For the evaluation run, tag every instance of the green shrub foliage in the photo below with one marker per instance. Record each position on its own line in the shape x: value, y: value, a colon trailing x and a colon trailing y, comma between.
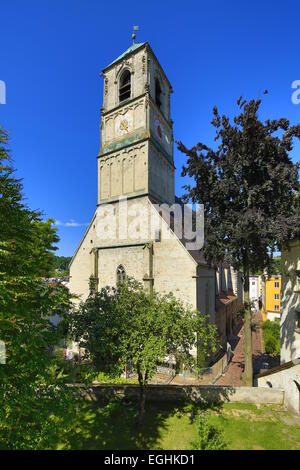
x: 271, y: 335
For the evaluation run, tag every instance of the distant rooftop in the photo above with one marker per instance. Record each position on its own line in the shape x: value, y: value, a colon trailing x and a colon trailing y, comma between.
x: 130, y: 49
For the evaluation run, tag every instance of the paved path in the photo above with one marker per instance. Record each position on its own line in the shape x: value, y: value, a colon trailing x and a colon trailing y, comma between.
x: 233, y: 373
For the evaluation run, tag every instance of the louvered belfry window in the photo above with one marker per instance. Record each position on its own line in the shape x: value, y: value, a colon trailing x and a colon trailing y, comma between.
x: 125, y: 86
x: 157, y: 93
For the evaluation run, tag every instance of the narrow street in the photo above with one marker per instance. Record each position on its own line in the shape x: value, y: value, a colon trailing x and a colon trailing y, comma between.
x: 233, y: 373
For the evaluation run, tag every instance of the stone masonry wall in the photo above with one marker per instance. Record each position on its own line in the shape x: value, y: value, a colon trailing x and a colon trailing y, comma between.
x: 195, y: 393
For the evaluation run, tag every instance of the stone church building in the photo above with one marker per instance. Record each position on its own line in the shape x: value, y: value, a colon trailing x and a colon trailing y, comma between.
x: 135, y: 164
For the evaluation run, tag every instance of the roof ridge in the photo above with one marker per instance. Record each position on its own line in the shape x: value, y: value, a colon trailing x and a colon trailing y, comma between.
x: 130, y: 49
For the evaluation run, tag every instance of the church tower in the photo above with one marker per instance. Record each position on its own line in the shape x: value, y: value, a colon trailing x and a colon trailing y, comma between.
x: 136, y: 154
x: 136, y: 168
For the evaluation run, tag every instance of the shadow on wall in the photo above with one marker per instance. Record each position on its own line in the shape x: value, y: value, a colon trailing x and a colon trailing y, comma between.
x: 290, y: 348
x: 259, y: 361
x: 200, y: 394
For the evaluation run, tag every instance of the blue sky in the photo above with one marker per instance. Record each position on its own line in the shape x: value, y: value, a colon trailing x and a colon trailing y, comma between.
x: 52, y: 52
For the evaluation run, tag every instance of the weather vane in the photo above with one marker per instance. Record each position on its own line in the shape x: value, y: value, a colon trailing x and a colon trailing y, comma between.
x: 135, y: 28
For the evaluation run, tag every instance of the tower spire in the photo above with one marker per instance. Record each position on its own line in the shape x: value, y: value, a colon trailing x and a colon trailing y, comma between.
x: 135, y: 28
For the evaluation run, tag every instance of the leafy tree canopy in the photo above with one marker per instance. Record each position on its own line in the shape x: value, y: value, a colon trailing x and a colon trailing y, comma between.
x: 61, y: 265
x: 249, y: 187
x: 126, y: 325
x: 30, y: 385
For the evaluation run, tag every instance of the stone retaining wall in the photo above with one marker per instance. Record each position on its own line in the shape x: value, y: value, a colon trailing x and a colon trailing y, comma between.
x: 286, y: 377
x: 195, y: 393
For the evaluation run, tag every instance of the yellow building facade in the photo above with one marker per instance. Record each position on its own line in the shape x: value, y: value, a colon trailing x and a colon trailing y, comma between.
x: 271, y: 287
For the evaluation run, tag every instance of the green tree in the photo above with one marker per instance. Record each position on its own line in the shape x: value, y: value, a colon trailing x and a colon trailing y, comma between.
x: 126, y: 325
x: 276, y: 267
x: 271, y: 335
x: 30, y: 386
x: 61, y: 265
x: 249, y: 187
x: 209, y: 437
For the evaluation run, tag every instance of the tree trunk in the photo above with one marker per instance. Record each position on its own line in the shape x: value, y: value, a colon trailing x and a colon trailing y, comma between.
x: 248, y: 371
x: 142, y: 400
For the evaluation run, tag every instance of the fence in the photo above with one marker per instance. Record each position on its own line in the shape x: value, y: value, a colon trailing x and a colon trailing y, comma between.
x: 166, y: 372
x: 209, y: 375
x: 167, y: 369
x: 219, y: 367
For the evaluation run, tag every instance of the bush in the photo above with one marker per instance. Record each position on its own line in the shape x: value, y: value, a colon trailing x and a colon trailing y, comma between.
x: 109, y: 379
x: 271, y: 335
x: 209, y: 437
x: 86, y: 373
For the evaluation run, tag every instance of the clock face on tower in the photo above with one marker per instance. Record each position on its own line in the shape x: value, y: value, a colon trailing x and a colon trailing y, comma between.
x: 123, y: 123
x: 159, y: 129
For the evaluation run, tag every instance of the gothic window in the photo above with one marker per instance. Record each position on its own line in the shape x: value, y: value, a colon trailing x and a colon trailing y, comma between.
x: 157, y: 235
x: 121, y: 274
x: 157, y: 93
x: 125, y: 86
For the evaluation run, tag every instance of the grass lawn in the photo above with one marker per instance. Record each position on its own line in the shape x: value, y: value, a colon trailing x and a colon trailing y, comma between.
x: 171, y: 427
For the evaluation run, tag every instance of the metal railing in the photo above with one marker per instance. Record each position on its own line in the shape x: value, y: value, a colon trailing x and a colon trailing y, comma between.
x: 207, y: 375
